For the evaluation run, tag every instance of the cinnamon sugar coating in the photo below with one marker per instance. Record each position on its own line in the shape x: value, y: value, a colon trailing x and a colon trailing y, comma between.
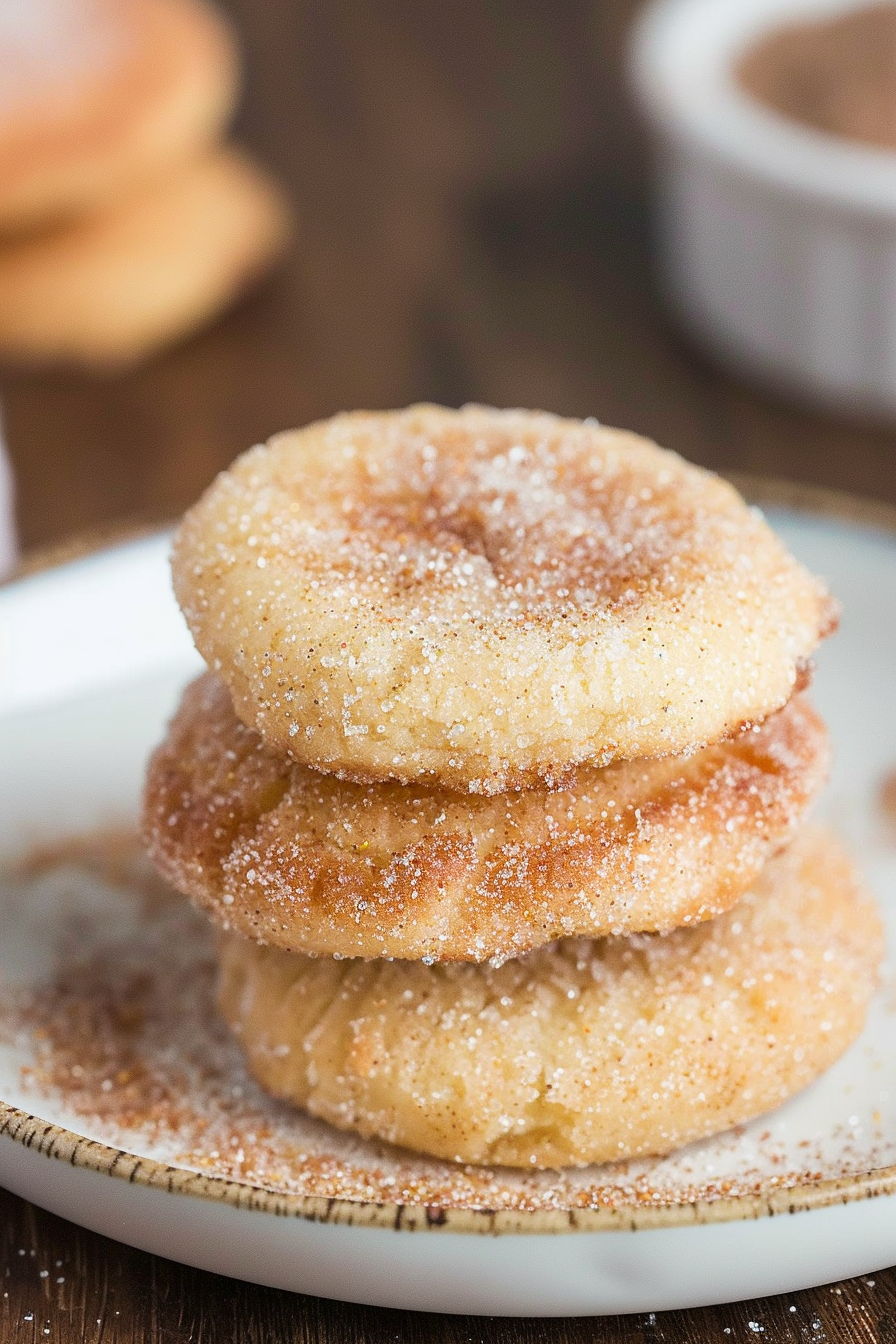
x: 583, y: 1051
x: 310, y: 863
x: 486, y: 598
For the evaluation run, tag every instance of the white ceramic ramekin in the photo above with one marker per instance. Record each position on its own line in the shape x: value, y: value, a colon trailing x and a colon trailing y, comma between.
x: 778, y: 241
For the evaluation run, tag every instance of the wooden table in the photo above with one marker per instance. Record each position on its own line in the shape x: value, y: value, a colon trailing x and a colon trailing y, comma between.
x: 471, y: 186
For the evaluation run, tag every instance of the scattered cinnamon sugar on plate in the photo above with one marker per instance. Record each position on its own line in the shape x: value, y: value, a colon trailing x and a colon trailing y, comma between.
x: 115, y: 1035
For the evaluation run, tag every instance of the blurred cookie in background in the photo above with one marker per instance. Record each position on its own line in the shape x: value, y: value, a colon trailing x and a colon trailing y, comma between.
x: 112, y: 287
x: 98, y: 97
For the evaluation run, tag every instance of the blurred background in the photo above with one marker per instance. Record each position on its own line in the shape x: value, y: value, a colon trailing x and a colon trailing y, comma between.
x: 471, y: 186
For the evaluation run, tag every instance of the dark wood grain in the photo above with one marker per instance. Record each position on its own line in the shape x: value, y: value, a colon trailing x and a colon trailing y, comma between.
x: 63, y: 1283
x: 472, y: 191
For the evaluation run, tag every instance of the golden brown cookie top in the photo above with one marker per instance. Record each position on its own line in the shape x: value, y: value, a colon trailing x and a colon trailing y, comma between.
x: 112, y: 287
x: 312, y: 863
x: 100, y: 97
x: 488, y: 597
x: 584, y: 1051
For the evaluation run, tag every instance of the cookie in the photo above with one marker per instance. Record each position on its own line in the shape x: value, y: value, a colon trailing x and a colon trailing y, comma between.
x: 310, y: 863
x: 102, y: 96
x: 485, y: 599
x: 112, y: 288
x: 581, y: 1052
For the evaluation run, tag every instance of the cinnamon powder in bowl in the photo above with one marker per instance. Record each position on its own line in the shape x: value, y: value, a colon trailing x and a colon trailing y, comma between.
x: 835, y: 74
x: 775, y: 132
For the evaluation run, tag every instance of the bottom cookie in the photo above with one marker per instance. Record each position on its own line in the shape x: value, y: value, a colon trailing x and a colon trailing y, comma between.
x: 115, y: 286
x: 584, y: 1051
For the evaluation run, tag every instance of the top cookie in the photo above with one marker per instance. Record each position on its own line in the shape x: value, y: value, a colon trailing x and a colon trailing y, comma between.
x: 98, y: 97
x: 487, y: 598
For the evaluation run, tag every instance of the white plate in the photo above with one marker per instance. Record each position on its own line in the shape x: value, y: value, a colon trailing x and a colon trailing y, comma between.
x: 125, y: 1107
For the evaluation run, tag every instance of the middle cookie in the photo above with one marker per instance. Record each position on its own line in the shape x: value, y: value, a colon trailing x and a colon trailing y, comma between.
x: 310, y: 863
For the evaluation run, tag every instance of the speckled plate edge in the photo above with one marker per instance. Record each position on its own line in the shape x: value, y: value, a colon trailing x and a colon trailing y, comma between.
x: 53, y: 1141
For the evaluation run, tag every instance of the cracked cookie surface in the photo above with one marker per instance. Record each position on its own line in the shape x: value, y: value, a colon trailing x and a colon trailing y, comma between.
x: 583, y: 1051
x: 484, y: 599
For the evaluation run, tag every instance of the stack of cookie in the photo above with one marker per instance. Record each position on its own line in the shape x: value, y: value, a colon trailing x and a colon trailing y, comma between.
x: 495, y: 786
x: 123, y: 222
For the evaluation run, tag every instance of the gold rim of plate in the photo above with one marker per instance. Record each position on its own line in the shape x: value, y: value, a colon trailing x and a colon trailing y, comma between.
x: 53, y: 1141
